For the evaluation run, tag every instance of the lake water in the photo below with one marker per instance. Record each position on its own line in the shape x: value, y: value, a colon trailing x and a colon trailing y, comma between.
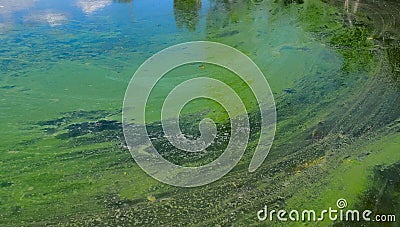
x: 64, y: 63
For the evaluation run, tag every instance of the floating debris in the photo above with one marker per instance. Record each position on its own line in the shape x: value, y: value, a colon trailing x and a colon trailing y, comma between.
x: 151, y: 198
x: 290, y: 90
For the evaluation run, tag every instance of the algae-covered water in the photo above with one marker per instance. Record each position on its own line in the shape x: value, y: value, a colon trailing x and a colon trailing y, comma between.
x: 65, y: 65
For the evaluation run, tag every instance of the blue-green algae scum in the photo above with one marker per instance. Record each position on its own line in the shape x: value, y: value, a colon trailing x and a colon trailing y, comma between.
x: 333, y: 67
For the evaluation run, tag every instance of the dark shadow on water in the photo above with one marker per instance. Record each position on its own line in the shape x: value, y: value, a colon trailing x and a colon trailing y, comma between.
x: 382, y: 197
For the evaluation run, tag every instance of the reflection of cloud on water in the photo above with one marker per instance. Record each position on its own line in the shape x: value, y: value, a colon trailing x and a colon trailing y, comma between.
x: 7, y: 8
x: 90, y: 6
x: 50, y: 18
x: 10, y: 6
x: 4, y: 27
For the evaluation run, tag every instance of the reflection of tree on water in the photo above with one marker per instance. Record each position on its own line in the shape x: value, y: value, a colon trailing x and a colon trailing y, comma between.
x: 232, y: 13
x: 126, y: 1
x: 384, y: 14
x: 187, y: 13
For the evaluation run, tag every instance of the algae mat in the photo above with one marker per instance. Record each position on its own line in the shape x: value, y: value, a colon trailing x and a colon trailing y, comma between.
x: 333, y: 70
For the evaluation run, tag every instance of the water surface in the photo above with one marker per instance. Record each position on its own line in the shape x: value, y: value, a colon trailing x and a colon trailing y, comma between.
x: 64, y: 69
